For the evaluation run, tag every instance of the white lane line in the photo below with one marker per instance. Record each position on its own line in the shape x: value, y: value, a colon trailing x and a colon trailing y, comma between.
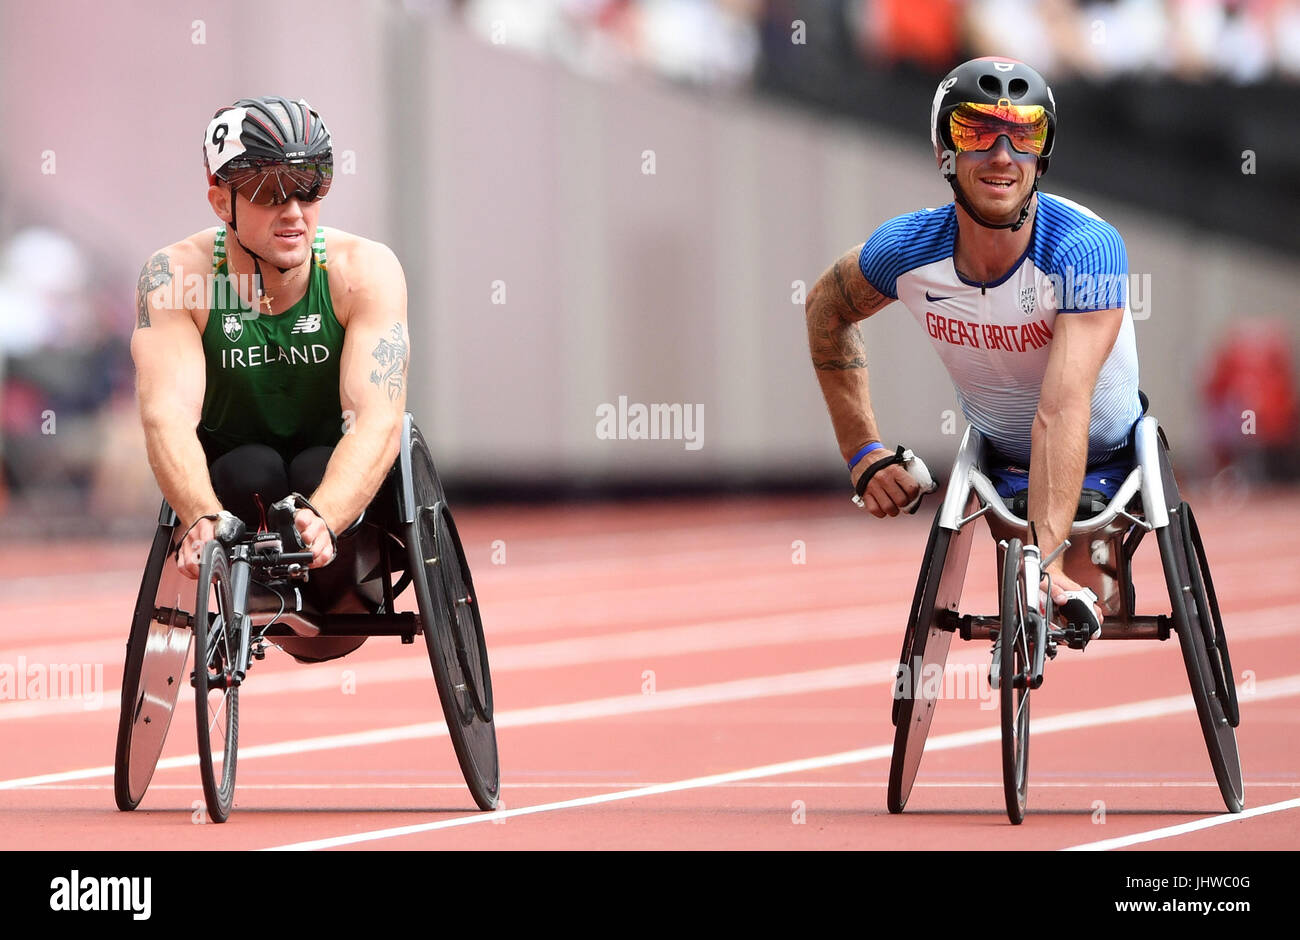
x: 840, y: 623
x: 1134, y: 711
x: 795, y: 683
x: 1169, y: 831
x: 861, y: 674
x: 768, y: 770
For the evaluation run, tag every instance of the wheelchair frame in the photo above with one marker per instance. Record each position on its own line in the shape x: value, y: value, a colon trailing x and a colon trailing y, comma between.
x: 1194, y: 616
x: 421, y: 526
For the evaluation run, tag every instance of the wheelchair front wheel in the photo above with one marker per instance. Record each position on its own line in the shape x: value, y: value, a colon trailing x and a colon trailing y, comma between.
x: 1014, y: 664
x: 219, y: 635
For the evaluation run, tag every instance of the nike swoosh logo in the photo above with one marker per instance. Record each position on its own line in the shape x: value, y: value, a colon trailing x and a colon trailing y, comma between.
x: 930, y: 297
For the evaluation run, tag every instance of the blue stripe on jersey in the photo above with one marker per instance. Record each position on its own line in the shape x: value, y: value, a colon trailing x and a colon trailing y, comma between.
x: 906, y: 242
x: 1084, y: 256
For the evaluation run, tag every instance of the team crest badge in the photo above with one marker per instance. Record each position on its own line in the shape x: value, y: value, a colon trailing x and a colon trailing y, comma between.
x: 232, y: 327
x: 1028, y: 299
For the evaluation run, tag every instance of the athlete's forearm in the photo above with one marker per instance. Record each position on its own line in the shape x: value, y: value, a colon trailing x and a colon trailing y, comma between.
x: 838, y: 301
x: 1060, y: 456
x: 357, y: 468
x: 180, y: 467
x: 840, y: 359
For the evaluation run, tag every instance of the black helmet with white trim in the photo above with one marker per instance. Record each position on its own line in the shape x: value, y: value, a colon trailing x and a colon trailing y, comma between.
x: 267, y: 130
x: 254, y: 134
x: 990, y: 81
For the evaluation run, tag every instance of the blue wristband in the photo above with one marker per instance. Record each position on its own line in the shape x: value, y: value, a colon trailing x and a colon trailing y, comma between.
x: 866, y: 449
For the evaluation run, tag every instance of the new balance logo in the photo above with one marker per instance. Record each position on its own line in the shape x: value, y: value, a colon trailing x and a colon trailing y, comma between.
x: 307, y: 324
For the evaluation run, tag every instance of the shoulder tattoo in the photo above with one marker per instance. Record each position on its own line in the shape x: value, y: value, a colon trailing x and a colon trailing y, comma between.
x: 155, y: 273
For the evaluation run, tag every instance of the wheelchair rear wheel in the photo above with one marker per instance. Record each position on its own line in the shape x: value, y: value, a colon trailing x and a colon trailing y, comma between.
x: 1216, y: 642
x: 218, y: 642
x: 1191, y: 610
x: 453, y: 630
x: 156, y: 654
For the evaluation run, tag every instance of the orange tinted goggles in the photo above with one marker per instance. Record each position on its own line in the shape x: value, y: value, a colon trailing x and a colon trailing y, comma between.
x: 975, y: 126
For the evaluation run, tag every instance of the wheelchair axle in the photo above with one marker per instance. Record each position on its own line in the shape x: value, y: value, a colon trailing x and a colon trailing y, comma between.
x: 218, y: 682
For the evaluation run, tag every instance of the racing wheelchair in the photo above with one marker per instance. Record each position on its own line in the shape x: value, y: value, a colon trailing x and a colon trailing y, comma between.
x: 248, y: 596
x: 1023, y: 632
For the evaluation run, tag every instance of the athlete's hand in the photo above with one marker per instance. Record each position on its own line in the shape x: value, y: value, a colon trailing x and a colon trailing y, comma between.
x: 1061, y: 583
x: 891, y: 490
x: 315, y: 536
x: 191, y: 551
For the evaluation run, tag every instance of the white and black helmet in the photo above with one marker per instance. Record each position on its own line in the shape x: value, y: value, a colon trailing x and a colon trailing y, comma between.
x: 266, y: 130
x: 255, y: 134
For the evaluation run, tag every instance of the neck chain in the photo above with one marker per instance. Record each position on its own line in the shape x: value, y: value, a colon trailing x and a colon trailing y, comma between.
x: 264, y: 298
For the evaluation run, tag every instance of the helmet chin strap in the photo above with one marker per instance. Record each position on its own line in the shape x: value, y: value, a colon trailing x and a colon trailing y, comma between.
x: 962, y: 201
x: 257, y: 259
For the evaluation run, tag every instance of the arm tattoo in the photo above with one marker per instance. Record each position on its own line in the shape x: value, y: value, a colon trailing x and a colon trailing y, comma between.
x: 833, y: 333
x: 155, y: 273
x: 392, y: 356
x: 836, y: 343
x: 837, y: 349
x: 868, y: 300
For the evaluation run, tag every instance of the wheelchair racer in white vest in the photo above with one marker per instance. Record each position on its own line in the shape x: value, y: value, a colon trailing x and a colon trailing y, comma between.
x: 1024, y: 297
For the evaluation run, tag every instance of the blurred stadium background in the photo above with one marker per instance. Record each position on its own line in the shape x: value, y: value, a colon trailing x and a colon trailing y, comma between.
x: 605, y: 198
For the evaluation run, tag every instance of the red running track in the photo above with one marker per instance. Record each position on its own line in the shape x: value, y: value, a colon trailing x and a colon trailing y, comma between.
x: 676, y: 675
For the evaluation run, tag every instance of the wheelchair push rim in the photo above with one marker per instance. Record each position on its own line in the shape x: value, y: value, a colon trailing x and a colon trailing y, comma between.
x: 1014, y: 655
x: 218, y: 640
x: 1179, y: 560
x: 152, y: 677
x: 438, y: 572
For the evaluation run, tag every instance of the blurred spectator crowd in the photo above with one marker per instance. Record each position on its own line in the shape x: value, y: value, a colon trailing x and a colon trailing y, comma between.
x: 722, y: 42
x: 70, y: 438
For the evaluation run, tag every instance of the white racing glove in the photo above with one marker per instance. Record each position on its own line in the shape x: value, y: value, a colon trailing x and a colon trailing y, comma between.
x: 910, y: 462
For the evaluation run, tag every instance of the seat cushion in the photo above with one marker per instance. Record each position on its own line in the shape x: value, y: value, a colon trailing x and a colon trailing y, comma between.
x: 1100, y: 484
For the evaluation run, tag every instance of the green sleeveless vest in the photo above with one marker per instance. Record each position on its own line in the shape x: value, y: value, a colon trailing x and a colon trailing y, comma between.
x: 271, y: 380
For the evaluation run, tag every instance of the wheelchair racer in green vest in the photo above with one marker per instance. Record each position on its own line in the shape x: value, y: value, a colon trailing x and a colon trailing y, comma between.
x: 271, y: 353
